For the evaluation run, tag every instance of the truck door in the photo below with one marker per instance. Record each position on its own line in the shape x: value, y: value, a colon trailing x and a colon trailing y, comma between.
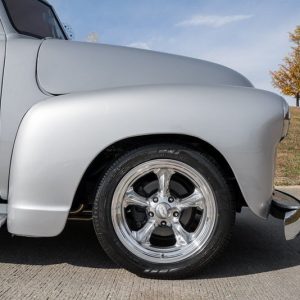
x: 26, y: 24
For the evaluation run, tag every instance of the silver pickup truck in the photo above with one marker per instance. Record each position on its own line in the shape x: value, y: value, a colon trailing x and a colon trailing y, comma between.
x: 160, y: 151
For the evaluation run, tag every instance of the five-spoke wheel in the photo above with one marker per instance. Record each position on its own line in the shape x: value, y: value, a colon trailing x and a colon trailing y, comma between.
x: 163, y: 211
x: 169, y: 221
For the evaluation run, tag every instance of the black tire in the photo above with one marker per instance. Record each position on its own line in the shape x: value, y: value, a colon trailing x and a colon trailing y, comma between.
x: 191, y: 266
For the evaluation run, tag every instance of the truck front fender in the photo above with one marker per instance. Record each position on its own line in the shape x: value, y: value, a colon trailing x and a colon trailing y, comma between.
x: 60, y: 137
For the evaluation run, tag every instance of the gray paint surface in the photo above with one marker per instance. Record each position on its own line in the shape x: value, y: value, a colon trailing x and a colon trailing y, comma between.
x: 71, y: 130
x: 65, y: 67
x: 20, y: 92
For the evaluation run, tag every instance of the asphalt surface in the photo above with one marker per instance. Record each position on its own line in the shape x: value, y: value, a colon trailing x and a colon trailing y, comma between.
x: 258, y: 264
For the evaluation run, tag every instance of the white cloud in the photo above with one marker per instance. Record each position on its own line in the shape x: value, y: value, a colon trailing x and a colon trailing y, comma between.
x: 141, y: 45
x: 212, y: 20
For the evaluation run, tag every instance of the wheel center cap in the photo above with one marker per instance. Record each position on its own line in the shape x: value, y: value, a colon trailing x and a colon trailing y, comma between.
x: 162, y: 210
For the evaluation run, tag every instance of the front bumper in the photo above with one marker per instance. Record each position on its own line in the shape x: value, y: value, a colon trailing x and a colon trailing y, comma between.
x: 287, y: 208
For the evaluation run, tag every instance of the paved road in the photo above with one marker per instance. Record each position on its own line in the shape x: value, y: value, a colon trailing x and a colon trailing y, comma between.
x: 259, y: 264
x: 293, y: 190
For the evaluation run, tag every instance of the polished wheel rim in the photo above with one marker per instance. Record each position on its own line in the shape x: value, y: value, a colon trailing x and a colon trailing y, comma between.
x: 164, y: 211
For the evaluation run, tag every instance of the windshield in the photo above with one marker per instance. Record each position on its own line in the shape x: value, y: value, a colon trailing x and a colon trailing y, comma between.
x: 35, y: 18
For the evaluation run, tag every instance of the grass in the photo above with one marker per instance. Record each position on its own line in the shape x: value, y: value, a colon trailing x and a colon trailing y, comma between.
x: 288, y: 155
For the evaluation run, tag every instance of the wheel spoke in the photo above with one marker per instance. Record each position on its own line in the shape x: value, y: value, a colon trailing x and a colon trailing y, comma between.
x: 164, y: 177
x: 132, y: 198
x: 181, y: 235
x: 196, y: 199
x: 144, y: 234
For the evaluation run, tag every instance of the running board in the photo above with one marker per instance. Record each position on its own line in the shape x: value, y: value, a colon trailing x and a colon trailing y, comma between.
x: 287, y: 207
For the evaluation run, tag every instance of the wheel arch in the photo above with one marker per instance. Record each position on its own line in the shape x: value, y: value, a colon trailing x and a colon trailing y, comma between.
x: 98, y: 166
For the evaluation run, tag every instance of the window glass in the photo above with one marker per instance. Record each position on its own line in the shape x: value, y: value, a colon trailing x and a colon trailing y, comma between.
x: 34, y: 17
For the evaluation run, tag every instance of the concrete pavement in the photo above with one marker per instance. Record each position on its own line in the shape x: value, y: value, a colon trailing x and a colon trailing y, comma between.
x: 258, y: 264
x: 293, y: 190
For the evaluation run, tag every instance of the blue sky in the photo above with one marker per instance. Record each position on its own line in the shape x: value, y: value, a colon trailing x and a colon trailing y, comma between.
x: 250, y: 36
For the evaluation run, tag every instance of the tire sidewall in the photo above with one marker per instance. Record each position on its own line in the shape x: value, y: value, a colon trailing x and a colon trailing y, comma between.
x: 102, y: 210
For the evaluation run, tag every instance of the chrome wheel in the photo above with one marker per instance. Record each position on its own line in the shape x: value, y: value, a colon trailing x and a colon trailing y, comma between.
x: 164, y: 211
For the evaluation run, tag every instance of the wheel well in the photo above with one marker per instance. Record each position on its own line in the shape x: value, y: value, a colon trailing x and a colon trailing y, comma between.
x: 86, y: 190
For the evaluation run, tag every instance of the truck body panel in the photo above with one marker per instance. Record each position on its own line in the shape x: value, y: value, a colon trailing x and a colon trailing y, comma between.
x: 60, y: 137
x: 66, y: 67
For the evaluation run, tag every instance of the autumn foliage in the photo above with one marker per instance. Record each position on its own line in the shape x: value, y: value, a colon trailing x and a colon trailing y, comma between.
x: 287, y: 77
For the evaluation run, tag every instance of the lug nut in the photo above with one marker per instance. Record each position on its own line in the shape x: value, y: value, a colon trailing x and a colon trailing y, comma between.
x: 163, y: 223
x: 171, y: 199
x: 151, y: 214
x: 176, y: 214
x: 155, y: 199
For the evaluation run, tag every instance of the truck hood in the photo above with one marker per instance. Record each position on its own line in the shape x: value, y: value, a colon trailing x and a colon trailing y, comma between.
x: 65, y: 67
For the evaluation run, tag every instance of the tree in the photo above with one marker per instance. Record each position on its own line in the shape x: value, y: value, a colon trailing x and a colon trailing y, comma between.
x: 287, y: 77
x: 93, y: 37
